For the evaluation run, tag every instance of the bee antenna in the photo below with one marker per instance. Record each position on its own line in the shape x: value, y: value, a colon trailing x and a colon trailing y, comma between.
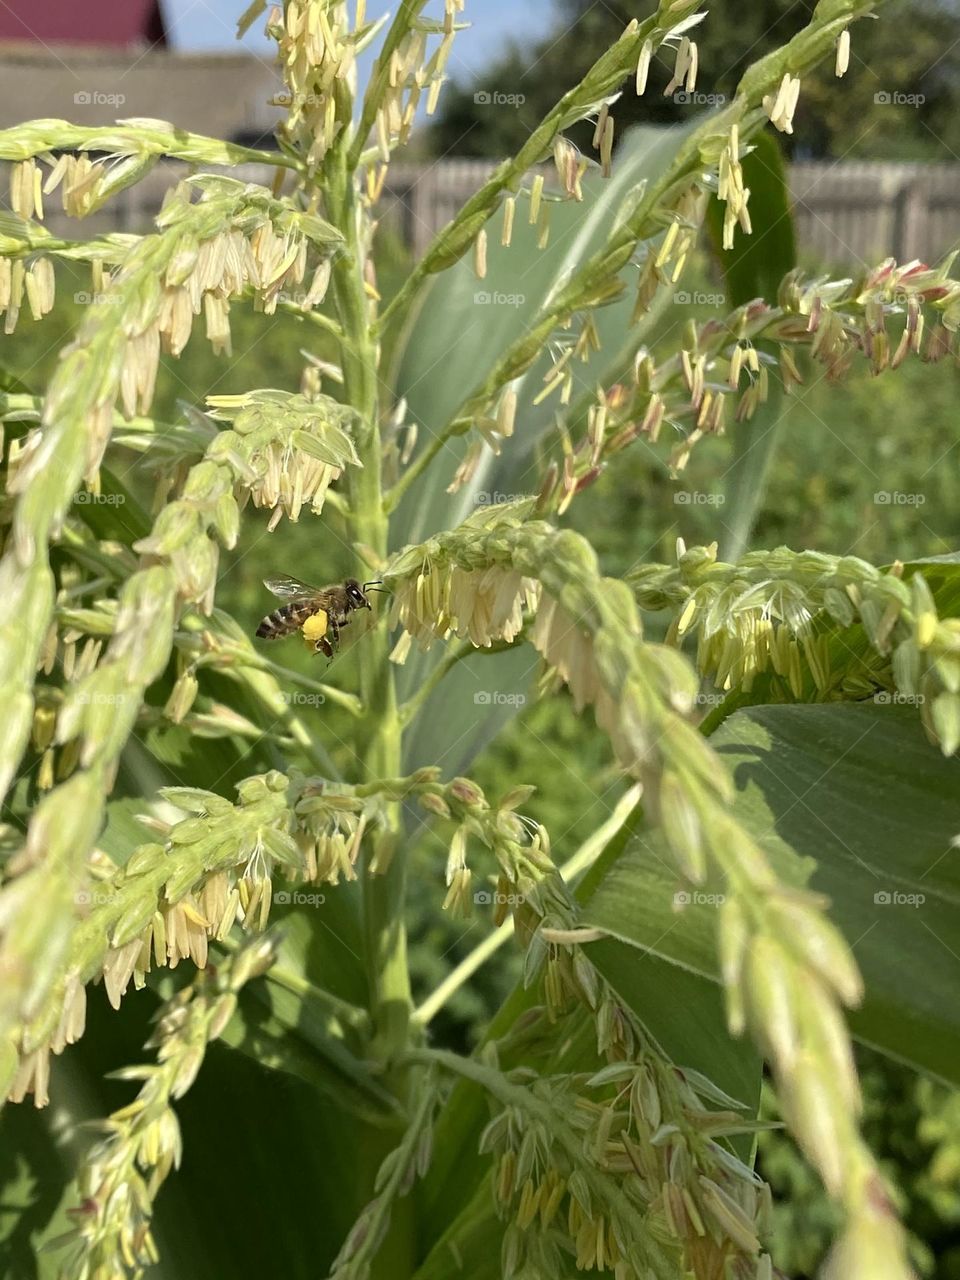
x: 367, y: 586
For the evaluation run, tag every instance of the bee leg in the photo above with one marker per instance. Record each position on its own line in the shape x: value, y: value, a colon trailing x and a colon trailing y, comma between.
x: 331, y: 645
x: 323, y: 646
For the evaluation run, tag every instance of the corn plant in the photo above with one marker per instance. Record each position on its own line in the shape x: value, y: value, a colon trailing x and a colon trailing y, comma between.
x: 785, y: 721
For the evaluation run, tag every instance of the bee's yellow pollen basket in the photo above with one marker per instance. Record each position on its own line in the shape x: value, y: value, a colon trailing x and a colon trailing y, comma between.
x: 315, y: 628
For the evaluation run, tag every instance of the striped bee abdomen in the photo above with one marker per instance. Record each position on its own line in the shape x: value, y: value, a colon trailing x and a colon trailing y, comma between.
x: 285, y: 620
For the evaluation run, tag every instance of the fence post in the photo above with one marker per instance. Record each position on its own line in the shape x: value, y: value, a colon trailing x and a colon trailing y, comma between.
x: 910, y: 223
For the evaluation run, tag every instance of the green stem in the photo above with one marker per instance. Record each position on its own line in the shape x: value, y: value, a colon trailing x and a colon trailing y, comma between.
x: 317, y: 318
x: 348, y: 1015
x: 446, y: 664
x: 458, y: 427
x: 384, y: 884
x: 349, y: 701
x: 467, y: 649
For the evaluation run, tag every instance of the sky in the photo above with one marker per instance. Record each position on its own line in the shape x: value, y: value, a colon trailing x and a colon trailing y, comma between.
x: 210, y: 25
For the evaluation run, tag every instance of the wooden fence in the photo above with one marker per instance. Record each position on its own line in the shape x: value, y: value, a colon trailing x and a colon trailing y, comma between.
x: 847, y: 213
x: 850, y: 212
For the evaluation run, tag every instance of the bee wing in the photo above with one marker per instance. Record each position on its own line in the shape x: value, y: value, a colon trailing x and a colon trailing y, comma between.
x: 287, y: 588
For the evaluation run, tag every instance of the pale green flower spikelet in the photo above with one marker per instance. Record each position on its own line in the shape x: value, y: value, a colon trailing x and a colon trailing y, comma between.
x: 286, y: 450
x: 791, y: 614
x: 31, y: 279
x: 124, y: 153
x: 837, y: 321
x: 119, y: 1178
x: 163, y: 906
x: 100, y: 707
x: 201, y: 248
x: 228, y: 240
x: 655, y: 229
x: 484, y: 603
x: 317, y: 50
x: 316, y: 54
x: 591, y: 99
x: 331, y: 827
x: 786, y: 986
x: 395, y: 1178
x: 780, y: 106
x: 217, y: 868
x: 625, y: 1169
x: 527, y: 879
x: 730, y: 189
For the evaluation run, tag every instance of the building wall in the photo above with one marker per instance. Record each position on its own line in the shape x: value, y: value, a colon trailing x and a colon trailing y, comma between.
x: 224, y: 96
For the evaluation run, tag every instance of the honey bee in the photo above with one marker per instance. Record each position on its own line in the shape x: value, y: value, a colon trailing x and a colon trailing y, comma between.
x: 320, y: 612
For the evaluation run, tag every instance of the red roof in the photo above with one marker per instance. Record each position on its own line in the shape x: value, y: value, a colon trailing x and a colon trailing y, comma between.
x: 102, y: 22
